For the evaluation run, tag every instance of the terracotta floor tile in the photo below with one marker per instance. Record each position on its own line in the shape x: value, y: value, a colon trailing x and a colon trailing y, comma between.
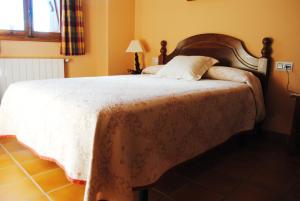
x: 52, y: 179
x: 11, y: 144
x: 24, y: 191
x: 72, y: 192
x: 7, y: 140
x: 24, y: 156
x: 10, y: 175
x: 1, y: 151
x: 43, y: 198
x: 5, y: 161
x: 38, y: 166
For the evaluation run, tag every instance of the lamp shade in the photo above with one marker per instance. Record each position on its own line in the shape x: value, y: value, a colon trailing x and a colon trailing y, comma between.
x: 135, y: 46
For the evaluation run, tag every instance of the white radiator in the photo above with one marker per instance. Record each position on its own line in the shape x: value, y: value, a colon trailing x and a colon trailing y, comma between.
x: 14, y: 70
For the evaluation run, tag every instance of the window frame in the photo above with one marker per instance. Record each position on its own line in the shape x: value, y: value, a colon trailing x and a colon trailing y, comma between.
x: 28, y: 34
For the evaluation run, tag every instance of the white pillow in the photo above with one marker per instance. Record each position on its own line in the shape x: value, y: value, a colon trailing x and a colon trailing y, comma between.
x: 152, y: 69
x: 187, y: 67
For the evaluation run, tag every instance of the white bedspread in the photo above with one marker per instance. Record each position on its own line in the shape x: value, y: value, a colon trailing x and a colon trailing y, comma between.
x: 117, y: 132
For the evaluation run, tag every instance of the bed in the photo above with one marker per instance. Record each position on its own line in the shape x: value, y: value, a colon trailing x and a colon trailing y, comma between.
x: 119, y: 133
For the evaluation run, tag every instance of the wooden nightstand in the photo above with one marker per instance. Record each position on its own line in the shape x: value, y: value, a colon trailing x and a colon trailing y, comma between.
x: 295, y: 135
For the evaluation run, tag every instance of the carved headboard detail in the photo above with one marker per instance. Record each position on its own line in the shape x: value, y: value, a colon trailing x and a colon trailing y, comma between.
x: 228, y: 50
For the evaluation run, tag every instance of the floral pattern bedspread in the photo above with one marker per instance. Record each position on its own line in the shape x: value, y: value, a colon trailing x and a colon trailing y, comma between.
x: 120, y: 132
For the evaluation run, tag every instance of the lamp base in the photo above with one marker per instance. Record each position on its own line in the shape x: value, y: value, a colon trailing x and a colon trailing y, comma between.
x: 134, y: 72
x: 137, y: 64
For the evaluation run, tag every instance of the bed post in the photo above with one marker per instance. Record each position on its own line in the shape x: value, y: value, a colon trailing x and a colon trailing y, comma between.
x: 163, y: 53
x: 266, y: 52
x: 267, y: 49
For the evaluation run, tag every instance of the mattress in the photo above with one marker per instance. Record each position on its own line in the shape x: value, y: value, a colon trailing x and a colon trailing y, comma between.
x: 118, y: 132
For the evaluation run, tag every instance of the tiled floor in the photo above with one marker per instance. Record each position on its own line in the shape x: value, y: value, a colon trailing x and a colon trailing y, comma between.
x: 25, y: 177
x: 257, y: 171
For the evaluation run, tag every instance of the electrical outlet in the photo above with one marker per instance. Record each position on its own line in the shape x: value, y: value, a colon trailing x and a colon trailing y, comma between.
x: 284, y: 65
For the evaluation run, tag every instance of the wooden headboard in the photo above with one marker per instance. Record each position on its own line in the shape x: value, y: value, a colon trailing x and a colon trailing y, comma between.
x: 228, y: 50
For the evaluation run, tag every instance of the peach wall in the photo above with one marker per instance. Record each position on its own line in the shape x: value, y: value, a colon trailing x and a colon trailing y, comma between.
x: 120, y: 33
x: 250, y: 21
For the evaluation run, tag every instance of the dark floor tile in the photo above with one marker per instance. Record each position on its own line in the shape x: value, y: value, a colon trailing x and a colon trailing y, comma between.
x: 249, y: 192
x: 294, y: 159
x: 277, y: 181
x: 290, y: 198
x: 189, y: 170
x: 268, y: 150
x: 155, y: 195
x: 294, y: 192
x: 168, y: 199
x: 195, y: 192
x: 244, y: 156
x: 206, y: 162
x: 200, y: 165
x: 283, y: 164
x: 239, y: 170
x: 255, y: 171
x: 170, y: 182
x: 219, y: 182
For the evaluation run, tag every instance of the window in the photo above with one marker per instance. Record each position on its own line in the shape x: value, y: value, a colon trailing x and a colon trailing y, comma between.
x: 30, y: 19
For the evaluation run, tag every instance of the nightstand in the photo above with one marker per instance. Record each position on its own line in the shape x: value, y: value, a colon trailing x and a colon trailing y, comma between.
x: 294, y: 143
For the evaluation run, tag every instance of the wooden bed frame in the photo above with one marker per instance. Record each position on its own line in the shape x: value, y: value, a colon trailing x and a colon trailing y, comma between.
x: 229, y: 51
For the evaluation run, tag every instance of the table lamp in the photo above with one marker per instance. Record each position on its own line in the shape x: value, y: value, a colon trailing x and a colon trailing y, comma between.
x: 135, y: 47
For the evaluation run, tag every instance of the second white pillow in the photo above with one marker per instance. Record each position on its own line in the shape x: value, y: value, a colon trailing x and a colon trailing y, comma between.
x: 152, y: 69
x: 187, y: 67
